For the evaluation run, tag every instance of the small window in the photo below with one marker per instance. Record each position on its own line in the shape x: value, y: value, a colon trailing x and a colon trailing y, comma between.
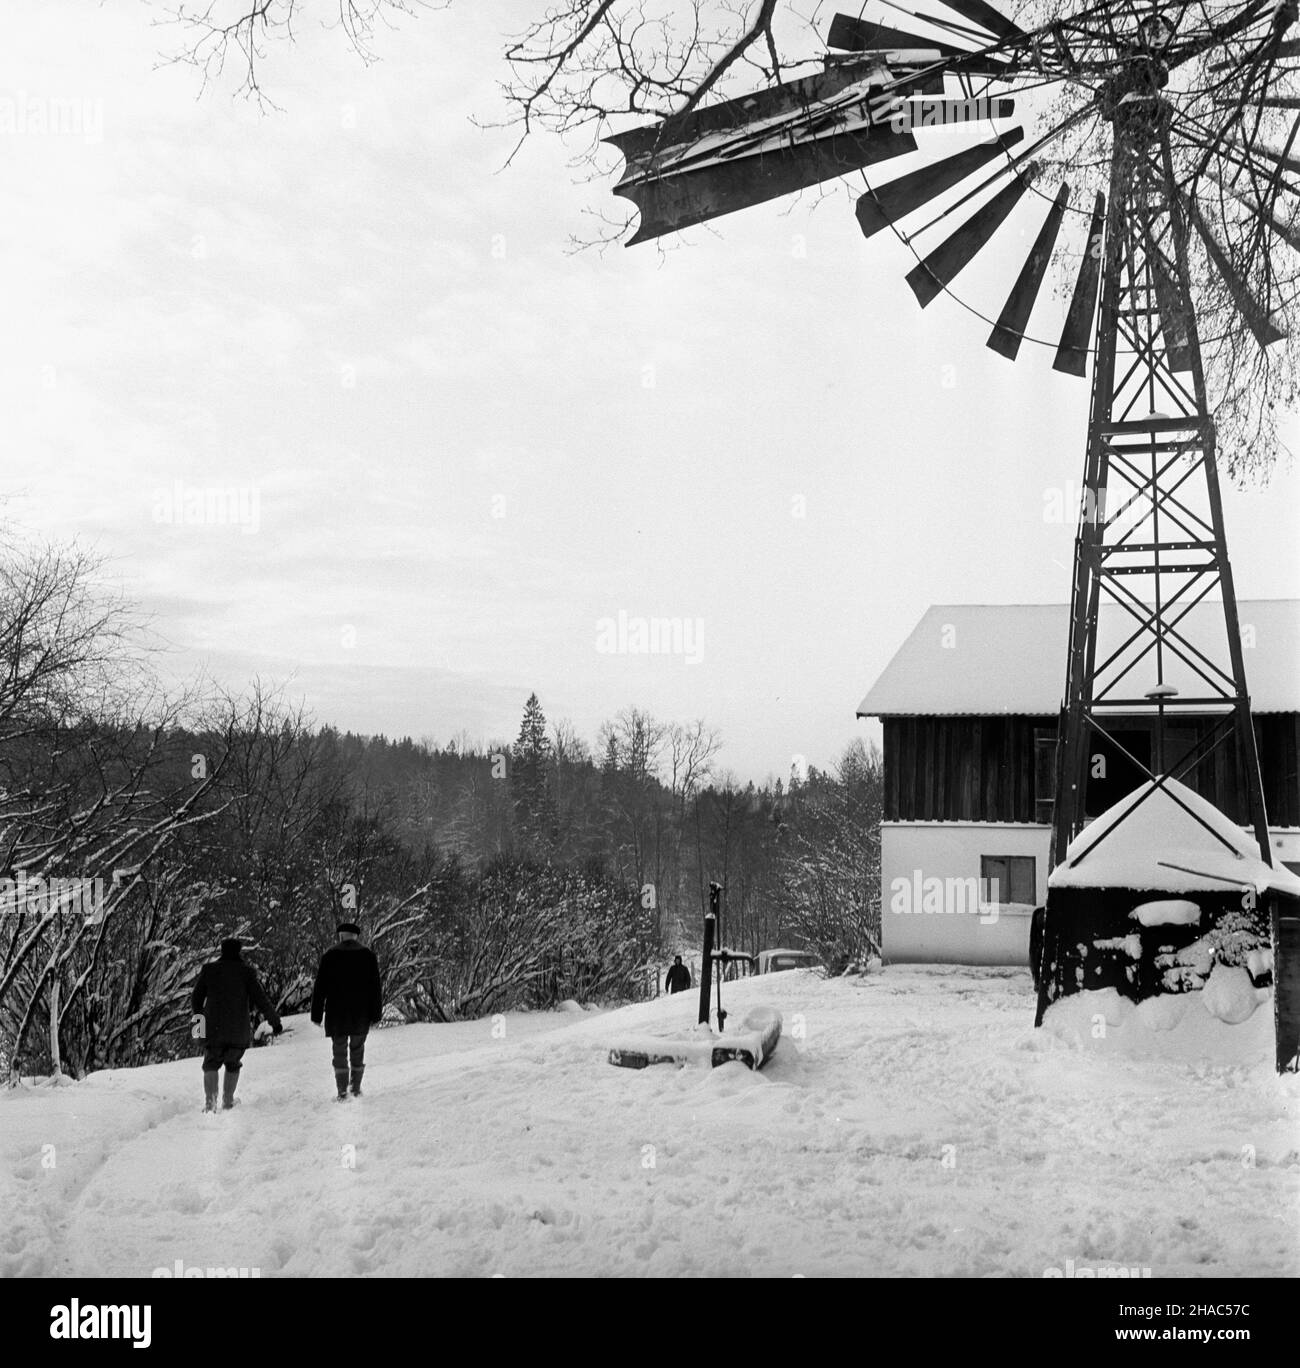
x: 1009, y: 878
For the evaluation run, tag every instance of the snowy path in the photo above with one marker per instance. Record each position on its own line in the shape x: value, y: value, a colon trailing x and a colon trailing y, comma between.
x: 919, y: 1126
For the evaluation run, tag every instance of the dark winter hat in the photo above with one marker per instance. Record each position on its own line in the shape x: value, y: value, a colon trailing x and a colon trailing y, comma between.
x: 231, y: 945
x: 349, y: 928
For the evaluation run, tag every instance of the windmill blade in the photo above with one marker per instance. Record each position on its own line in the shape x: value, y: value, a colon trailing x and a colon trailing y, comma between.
x: 885, y: 204
x: 1281, y: 159
x: 1288, y: 232
x: 1241, y: 154
x: 1174, y: 313
x: 799, y: 99
x: 1288, y: 47
x: 1279, y: 102
x: 943, y: 21
x: 1247, y: 305
x: 850, y: 34
x: 680, y: 199
x: 1009, y: 330
x: 1072, y: 353
x: 941, y: 266
x: 742, y: 152
x: 986, y: 17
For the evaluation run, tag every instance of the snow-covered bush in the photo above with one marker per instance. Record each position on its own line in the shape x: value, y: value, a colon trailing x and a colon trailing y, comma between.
x: 831, y: 863
x: 534, y: 935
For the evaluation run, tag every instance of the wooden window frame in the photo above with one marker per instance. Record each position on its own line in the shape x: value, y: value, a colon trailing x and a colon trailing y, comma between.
x: 1007, y: 889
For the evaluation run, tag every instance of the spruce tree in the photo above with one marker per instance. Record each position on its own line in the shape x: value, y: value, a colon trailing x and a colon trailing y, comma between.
x: 529, y: 781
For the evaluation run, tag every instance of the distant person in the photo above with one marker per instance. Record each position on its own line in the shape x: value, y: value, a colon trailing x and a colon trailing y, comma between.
x: 226, y: 991
x: 678, y: 977
x: 350, y: 997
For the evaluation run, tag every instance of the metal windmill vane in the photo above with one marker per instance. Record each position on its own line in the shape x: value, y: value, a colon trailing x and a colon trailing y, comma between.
x: 1191, y: 205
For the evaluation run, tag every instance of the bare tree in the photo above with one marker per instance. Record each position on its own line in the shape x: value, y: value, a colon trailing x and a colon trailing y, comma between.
x: 567, y: 747
x: 638, y: 742
x: 633, y: 747
x: 691, y: 750
x: 580, y: 64
x: 214, y: 35
x: 135, y: 1005
x: 398, y: 929
x: 94, y: 790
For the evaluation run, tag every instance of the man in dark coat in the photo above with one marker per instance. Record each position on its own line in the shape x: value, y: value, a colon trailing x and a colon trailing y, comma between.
x: 350, y: 997
x: 224, y: 993
x: 678, y: 977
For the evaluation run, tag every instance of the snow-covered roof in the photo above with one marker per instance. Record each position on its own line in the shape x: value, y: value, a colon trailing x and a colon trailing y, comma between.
x: 1154, y: 843
x: 982, y: 659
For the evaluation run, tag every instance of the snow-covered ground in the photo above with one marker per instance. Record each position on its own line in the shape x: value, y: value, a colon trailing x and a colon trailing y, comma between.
x: 912, y: 1122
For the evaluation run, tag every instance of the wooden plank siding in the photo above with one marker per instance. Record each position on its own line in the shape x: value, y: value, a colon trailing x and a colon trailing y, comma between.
x: 1277, y: 737
x: 960, y: 769
x: 981, y: 769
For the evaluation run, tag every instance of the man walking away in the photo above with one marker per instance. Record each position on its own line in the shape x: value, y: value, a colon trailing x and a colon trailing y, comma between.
x: 226, y: 990
x: 350, y: 997
x: 678, y: 977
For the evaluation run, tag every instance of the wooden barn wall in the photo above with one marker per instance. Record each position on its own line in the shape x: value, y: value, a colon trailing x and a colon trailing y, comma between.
x: 960, y: 769
x: 981, y: 769
x: 1222, y: 778
x: 1277, y: 736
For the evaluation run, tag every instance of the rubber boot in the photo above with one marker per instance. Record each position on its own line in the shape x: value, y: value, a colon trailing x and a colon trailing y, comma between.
x: 341, y: 1082
x: 356, y: 1080
x: 228, y: 1092
x: 209, y: 1090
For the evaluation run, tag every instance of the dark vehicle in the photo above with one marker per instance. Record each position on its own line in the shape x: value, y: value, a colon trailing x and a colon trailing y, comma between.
x: 773, y: 961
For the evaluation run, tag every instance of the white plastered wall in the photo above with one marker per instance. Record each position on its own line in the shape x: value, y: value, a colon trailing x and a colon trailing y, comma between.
x: 962, y: 933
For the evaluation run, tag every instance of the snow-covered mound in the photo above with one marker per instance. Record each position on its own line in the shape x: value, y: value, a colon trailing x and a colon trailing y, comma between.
x: 1167, y: 912
x: 1229, y: 997
x: 912, y: 1122
x: 1227, y: 1024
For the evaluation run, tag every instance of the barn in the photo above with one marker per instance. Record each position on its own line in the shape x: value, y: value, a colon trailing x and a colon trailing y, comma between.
x: 969, y: 707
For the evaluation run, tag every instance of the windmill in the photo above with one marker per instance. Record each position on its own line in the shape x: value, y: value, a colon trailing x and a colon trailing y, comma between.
x: 1161, y: 181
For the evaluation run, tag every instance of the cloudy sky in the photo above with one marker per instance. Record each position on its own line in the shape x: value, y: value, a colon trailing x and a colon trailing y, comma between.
x: 455, y: 447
